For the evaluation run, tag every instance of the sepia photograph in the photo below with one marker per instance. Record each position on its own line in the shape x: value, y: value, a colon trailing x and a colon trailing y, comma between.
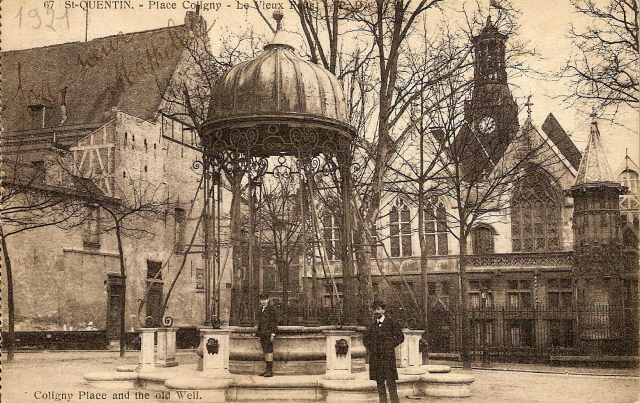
x: 333, y: 201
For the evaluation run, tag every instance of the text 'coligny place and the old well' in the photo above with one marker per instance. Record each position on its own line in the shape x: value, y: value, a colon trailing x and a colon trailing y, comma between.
x: 117, y: 396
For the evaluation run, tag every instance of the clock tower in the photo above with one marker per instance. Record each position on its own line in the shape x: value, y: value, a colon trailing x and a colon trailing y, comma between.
x: 492, y: 113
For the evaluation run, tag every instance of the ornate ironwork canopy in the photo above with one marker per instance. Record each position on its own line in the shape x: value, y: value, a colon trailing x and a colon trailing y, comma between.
x: 277, y: 104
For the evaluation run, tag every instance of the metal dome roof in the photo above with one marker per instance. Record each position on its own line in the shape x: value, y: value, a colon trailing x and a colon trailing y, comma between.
x: 278, y: 83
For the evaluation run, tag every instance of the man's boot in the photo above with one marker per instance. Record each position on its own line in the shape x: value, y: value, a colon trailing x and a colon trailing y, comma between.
x: 268, y: 373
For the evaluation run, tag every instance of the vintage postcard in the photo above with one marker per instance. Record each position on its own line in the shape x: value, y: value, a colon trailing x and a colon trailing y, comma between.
x: 319, y: 200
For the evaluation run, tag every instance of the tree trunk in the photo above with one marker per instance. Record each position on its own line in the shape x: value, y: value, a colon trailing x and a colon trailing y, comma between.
x: 350, y: 297
x: 465, y: 334
x: 235, y: 223
x: 9, y: 336
x: 363, y: 254
x: 282, y: 267
x: 422, y: 239
x: 123, y: 304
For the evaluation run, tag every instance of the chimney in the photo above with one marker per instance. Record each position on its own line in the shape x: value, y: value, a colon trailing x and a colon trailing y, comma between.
x: 63, y: 106
x: 194, y: 22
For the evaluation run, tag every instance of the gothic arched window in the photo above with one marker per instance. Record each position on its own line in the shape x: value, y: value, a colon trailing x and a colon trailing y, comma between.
x: 482, y: 240
x: 535, y: 214
x: 400, y: 229
x: 435, y: 228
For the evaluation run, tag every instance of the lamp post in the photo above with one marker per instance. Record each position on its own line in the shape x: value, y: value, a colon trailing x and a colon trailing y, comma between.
x: 486, y: 360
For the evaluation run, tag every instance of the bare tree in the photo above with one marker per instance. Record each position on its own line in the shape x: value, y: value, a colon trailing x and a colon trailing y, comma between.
x: 188, y: 98
x: 604, y: 72
x: 376, y: 68
x: 29, y: 202
x: 453, y: 162
x: 132, y: 204
x: 187, y: 101
x: 280, y: 218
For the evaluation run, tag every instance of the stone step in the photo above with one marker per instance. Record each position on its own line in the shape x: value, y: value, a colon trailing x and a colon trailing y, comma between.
x: 283, y: 388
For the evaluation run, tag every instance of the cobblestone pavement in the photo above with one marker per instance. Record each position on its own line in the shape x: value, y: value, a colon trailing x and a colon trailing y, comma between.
x: 44, y: 376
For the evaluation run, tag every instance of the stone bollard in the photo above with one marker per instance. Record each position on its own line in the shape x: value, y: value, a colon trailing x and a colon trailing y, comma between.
x: 410, y: 356
x: 167, y: 347
x: 339, y: 354
x: 215, y: 354
x: 147, y: 353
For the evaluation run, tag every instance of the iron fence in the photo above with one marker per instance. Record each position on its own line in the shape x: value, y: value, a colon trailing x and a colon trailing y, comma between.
x: 538, y: 333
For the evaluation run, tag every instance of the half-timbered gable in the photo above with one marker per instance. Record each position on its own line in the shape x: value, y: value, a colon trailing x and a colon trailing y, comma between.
x: 94, y: 157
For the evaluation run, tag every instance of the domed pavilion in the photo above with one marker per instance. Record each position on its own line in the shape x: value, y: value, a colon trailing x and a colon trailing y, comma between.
x: 279, y: 105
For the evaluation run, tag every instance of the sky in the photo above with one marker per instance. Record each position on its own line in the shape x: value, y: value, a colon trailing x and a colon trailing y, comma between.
x: 543, y: 23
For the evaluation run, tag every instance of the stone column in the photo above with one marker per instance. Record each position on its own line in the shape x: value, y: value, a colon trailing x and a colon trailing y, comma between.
x: 167, y: 347
x: 215, y: 354
x: 410, y: 356
x: 339, y: 354
x: 147, y: 353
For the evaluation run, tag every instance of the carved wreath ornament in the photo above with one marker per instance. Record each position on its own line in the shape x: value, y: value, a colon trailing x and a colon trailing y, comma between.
x: 213, y: 346
x: 342, y: 348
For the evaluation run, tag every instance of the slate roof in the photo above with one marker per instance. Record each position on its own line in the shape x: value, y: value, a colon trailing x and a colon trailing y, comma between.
x: 556, y: 133
x: 126, y: 72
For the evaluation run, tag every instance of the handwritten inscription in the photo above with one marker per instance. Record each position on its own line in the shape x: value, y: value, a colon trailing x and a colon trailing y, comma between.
x: 104, y: 58
x: 36, y: 18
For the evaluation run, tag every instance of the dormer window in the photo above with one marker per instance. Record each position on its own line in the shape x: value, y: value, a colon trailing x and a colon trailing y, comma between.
x: 482, y: 239
x: 39, y: 110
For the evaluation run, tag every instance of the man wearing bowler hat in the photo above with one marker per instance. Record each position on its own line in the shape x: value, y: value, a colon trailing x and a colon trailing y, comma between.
x: 381, y: 338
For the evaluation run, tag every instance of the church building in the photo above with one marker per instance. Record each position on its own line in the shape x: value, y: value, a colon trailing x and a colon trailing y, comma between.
x: 555, y: 270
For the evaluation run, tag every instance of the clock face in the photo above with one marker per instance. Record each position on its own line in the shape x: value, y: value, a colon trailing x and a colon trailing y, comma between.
x: 487, y: 125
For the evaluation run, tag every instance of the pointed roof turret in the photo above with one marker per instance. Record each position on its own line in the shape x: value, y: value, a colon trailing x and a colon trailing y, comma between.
x: 594, y: 169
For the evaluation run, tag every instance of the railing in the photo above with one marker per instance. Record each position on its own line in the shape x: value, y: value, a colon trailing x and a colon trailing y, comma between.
x: 539, y: 333
x: 61, y: 340
x: 520, y: 260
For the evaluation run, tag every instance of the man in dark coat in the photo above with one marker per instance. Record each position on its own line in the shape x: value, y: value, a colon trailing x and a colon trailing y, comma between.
x: 267, y: 325
x: 381, y: 338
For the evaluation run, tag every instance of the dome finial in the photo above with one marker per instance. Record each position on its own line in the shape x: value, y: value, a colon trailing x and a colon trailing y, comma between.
x: 278, y: 15
x: 280, y: 39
